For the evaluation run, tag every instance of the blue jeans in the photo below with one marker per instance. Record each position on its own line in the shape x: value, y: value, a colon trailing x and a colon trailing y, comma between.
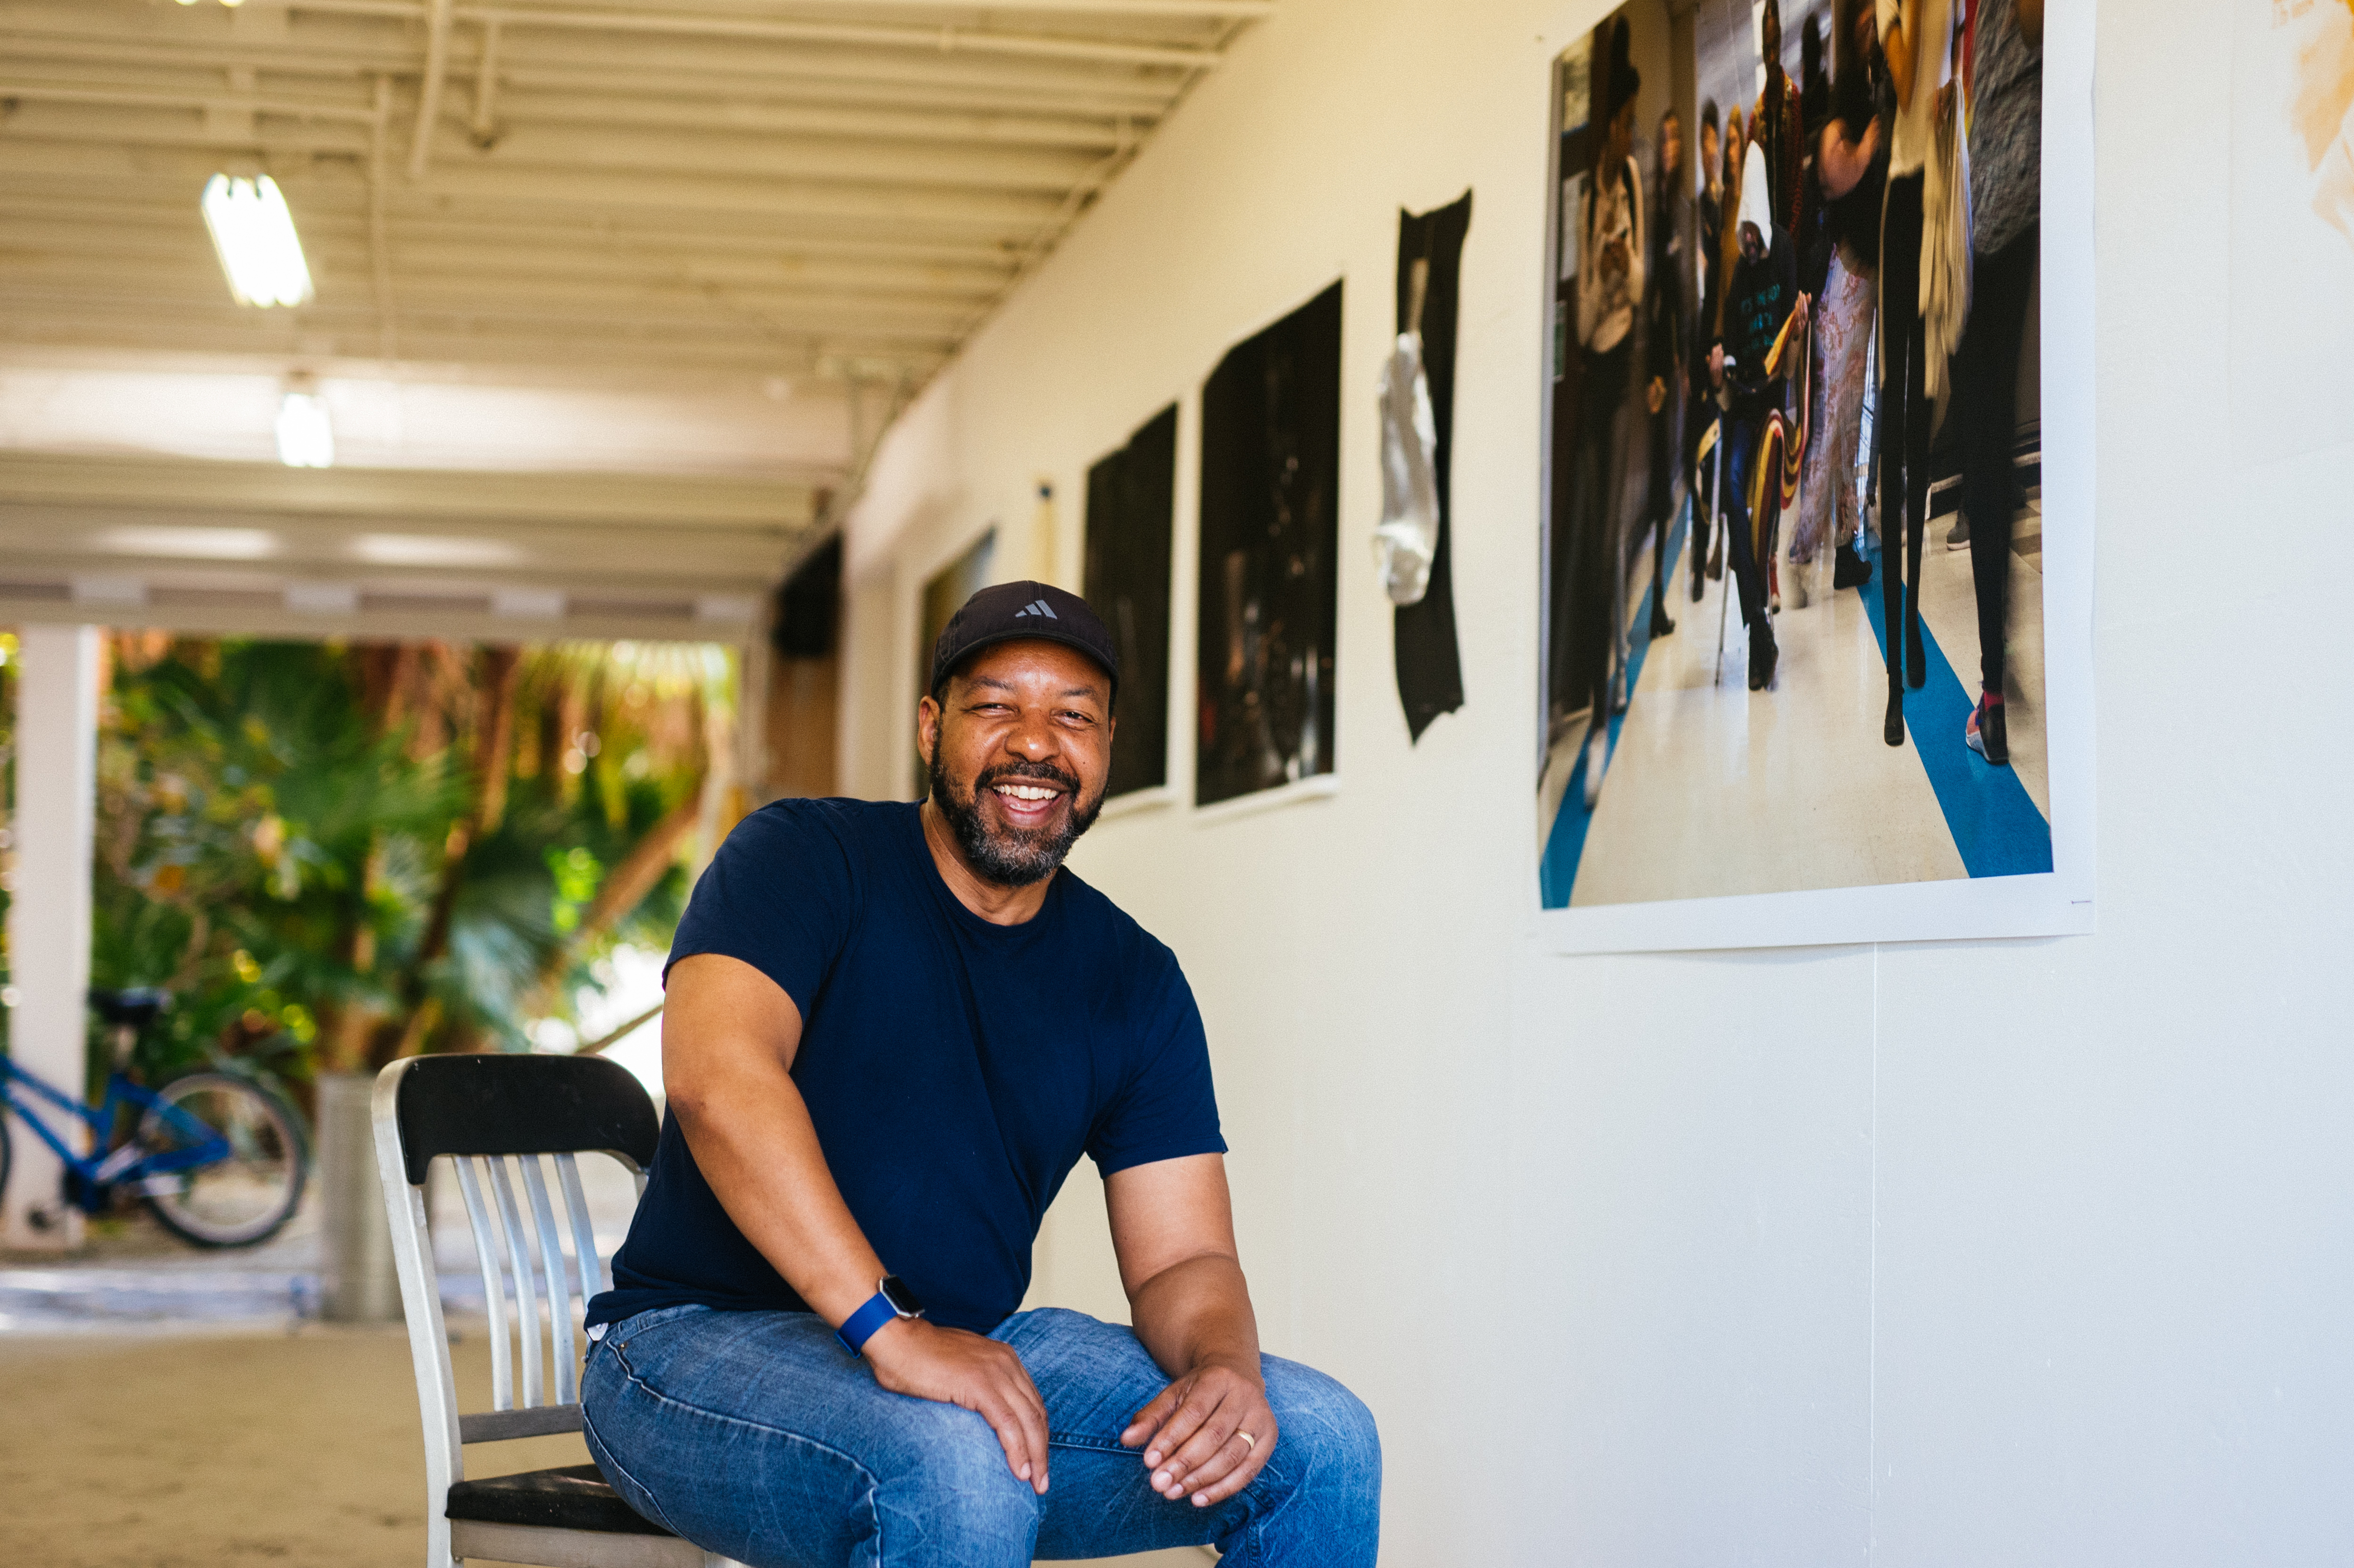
x: 756, y: 1435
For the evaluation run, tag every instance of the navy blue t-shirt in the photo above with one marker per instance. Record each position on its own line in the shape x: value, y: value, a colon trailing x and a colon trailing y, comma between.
x: 954, y: 1070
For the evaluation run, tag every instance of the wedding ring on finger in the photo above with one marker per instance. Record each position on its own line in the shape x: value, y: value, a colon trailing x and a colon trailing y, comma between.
x: 1249, y: 1441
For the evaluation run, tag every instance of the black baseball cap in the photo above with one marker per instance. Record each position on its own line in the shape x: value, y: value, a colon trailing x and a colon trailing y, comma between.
x: 1009, y: 612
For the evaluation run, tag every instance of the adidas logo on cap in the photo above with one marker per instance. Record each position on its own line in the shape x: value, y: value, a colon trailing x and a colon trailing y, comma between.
x: 1037, y: 607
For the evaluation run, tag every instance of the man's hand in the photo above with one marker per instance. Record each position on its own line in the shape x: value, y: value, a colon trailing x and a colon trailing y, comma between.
x: 1716, y: 365
x: 1206, y: 1434
x: 1655, y: 396
x: 953, y: 1367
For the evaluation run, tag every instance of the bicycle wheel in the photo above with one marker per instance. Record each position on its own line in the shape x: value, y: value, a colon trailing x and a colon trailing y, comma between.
x: 247, y: 1194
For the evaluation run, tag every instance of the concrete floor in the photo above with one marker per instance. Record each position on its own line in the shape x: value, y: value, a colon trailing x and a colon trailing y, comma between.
x: 209, y: 1451
x: 233, y: 1448
x: 165, y: 1408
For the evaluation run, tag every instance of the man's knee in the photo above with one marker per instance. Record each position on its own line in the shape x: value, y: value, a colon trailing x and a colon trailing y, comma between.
x: 951, y: 1484
x: 1335, y: 1448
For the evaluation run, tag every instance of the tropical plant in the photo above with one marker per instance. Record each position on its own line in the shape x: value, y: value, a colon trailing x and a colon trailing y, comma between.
x: 335, y: 854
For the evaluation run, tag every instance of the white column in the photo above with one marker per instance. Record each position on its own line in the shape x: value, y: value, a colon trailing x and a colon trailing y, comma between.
x: 49, y: 905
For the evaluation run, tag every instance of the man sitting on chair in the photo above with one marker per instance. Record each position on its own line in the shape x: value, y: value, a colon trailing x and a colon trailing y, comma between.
x: 891, y: 1031
x: 1760, y: 303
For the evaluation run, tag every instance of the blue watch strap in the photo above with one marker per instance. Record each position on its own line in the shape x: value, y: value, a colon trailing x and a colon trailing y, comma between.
x: 861, y: 1325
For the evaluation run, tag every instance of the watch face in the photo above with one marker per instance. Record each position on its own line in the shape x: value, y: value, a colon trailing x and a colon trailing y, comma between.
x: 903, y: 1300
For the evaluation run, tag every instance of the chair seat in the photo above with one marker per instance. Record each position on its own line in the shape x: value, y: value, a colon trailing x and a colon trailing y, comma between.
x: 572, y: 1497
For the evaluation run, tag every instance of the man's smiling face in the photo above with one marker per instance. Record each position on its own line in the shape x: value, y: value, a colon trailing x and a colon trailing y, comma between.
x: 1019, y: 743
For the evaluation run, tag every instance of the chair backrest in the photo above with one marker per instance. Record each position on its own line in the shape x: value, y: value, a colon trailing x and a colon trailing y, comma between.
x: 501, y: 1120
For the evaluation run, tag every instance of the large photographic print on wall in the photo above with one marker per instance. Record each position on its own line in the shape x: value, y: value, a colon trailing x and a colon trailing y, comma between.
x: 1270, y: 473
x: 1795, y: 654
x: 1131, y: 508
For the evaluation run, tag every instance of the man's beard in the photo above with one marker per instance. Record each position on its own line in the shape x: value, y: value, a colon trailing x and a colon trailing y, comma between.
x: 1011, y: 857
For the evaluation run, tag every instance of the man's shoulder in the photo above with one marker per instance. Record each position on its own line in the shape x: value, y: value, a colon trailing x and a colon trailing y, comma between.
x: 836, y: 816
x: 1089, y: 908
x: 811, y: 832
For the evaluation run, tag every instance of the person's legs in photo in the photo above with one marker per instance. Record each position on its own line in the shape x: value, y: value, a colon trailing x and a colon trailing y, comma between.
x: 1704, y: 413
x: 1986, y: 393
x: 1621, y: 531
x: 1919, y: 414
x: 1659, y: 500
x: 1596, y: 616
x: 1901, y: 426
x: 1827, y: 502
x: 1748, y: 573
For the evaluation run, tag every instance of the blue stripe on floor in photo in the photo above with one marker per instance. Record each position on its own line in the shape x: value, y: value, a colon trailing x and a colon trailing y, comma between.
x: 1995, y: 825
x: 1994, y: 822
x: 1565, y: 845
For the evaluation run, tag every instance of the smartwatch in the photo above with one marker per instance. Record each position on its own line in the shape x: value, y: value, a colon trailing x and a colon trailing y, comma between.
x: 892, y: 1298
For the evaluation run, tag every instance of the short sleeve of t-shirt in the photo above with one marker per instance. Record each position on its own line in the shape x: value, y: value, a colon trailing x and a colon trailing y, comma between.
x: 1167, y: 1107
x: 780, y: 895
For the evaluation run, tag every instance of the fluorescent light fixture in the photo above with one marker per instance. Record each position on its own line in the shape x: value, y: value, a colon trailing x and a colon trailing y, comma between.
x: 323, y: 598
x: 254, y: 236
x: 305, y: 438
x: 108, y: 590
x: 433, y: 550
x: 529, y: 604
x: 195, y: 544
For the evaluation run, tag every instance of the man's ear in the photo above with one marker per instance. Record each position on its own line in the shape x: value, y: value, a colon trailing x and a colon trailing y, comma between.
x: 927, y: 729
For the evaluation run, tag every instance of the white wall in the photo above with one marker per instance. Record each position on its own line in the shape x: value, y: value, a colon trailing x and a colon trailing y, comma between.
x: 1971, y: 1254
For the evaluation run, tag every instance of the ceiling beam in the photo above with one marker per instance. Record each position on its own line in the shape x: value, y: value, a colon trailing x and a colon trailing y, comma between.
x: 575, y: 149
x: 946, y: 38
x: 680, y: 70
x: 223, y: 103
x: 718, y: 326
x: 446, y: 336
x: 142, y: 255
x: 476, y: 190
x: 659, y: 305
x: 1121, y: 10
x: 1090, y: 133
x: 30, y: 362
x: 168, y: 209
x: 418, y: 495
x: 194, y: 614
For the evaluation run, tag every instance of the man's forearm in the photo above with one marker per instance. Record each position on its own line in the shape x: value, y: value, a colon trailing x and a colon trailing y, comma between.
x: 751, y: 1137
x: 1198, y: 1313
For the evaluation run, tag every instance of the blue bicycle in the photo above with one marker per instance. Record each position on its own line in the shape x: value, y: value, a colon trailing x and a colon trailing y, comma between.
x: 219, y: 1160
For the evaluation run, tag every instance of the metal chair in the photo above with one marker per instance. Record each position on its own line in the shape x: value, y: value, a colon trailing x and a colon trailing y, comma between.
x: 501, y: 1120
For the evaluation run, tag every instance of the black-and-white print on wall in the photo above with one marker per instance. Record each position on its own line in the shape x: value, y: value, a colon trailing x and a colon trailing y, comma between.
x: 1132, y: 509
x: 1270, y: 471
